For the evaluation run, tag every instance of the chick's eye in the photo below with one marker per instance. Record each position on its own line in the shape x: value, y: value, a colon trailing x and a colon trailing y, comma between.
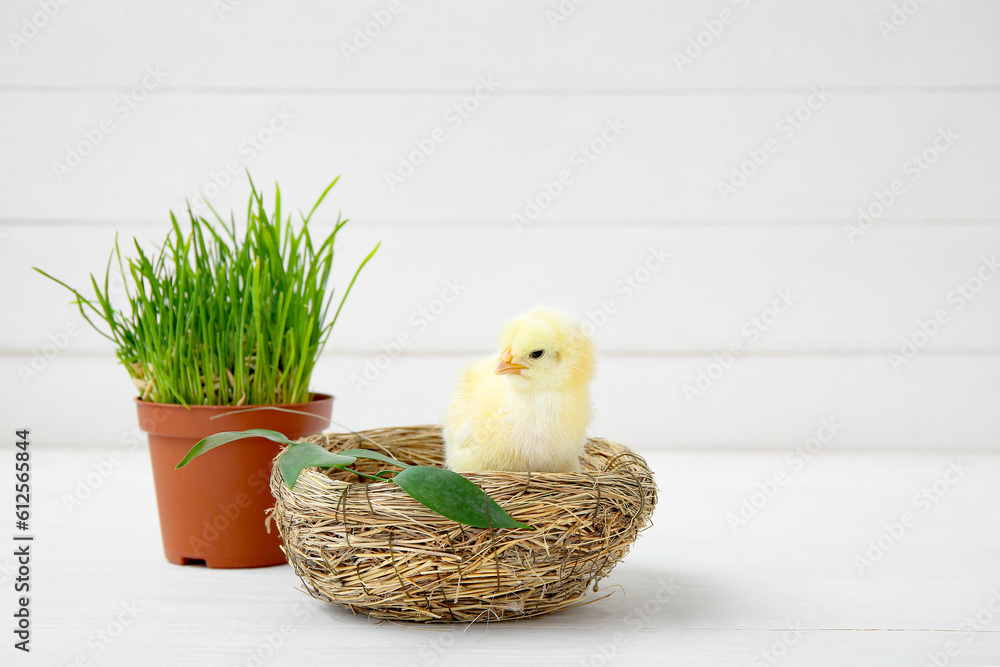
x: 537, y: 354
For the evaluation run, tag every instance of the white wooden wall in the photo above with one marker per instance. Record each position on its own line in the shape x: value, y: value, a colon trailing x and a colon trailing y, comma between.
x: 880, y: 93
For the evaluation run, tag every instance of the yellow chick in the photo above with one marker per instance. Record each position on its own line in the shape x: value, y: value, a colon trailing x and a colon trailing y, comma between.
x: 527, y: 410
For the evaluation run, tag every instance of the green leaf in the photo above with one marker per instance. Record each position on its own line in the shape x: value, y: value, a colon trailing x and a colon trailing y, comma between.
x: 306, y: 455
x: 369, y: 454
x: 219, y: 439
x: 453, y: 496
x: 449, y: 494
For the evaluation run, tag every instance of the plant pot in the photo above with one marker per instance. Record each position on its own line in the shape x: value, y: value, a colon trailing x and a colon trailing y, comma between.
x: 212, y: 511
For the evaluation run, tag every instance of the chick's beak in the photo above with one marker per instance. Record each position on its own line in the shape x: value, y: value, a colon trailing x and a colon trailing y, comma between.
x: 505, y: 365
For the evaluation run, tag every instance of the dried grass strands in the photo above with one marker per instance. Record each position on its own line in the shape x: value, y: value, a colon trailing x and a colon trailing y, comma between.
x: 373, y: 548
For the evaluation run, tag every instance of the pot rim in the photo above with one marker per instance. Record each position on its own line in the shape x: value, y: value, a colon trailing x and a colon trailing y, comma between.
x: 317, y: 398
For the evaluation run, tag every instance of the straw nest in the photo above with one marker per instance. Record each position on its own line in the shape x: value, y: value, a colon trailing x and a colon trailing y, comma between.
x: 372, y: 548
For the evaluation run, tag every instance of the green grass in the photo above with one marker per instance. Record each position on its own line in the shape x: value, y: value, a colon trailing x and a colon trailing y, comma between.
x: 221, y: 318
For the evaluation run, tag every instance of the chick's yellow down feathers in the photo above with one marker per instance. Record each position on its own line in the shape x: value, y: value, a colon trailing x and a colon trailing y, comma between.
x: 526, y: 410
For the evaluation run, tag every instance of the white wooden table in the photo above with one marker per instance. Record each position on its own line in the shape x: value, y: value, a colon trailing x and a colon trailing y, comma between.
x: 787, y: 588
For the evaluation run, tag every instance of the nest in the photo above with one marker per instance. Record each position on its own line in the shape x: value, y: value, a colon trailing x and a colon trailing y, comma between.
x: 371, y: 547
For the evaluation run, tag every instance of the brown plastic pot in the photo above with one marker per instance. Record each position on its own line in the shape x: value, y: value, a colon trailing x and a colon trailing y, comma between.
x: 212, y: 511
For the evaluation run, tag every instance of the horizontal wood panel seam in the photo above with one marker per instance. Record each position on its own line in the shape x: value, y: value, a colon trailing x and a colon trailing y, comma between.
x: 623, y: 354
x: 503, y: 92
x: 722, y: 222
